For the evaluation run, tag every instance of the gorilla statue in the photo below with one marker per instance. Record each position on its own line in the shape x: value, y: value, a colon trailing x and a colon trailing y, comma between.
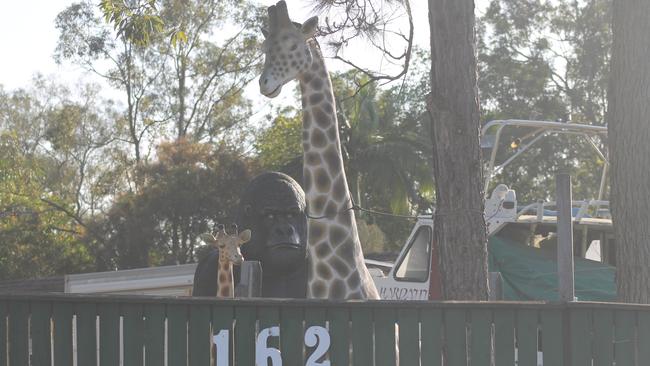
x: 273, y: 208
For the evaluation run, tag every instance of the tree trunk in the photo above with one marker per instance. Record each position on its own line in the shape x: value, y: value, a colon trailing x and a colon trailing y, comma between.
x: 629, y: 134
x: 459, y: 233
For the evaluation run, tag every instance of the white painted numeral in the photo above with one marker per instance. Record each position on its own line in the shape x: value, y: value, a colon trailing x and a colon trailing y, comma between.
x: 263, y: 352
x: 317, y: 335
x: 223, y: 350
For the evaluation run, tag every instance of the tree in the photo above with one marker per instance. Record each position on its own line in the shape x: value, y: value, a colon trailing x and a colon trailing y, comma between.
x: 550, y: 61
x: 169, y: 90
x: 186, y: 192
x: 459, y: 225
x: 629, y: 150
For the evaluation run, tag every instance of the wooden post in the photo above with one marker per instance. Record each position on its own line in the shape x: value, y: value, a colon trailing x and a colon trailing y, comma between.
x: 564, y: 238
x: 250, y: 283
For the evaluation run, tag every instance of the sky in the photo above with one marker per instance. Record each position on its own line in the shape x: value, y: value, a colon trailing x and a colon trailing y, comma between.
x: 28, y: 38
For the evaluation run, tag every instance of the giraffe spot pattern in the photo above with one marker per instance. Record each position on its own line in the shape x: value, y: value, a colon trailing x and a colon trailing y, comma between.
x: 319, y: 203
x: 316, y: 98
x: 331, y: 208
x: 337, y: 290
x: 322, y: 180
x: 323, y: 250
x: 345, y: 250
x: 318, y: 139
x: 316, y: 83
x: 338, y: 187
x: 345, y: 219
x: 353, y: 281
x: 331, y: 133
x: 318, y: 289
x: 337, y: 234
x: 312, y: 158
x: 222, y: 278
x: 322, y: 119
x: 306, y: 179
x: 339, y: 266
x: 316, y: 232
x: 323, y: 271
x: 333, y: 162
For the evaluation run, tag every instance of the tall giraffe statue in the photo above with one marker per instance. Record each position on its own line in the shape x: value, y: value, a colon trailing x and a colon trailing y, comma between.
x: 229, y: 254
x: 337, y: 269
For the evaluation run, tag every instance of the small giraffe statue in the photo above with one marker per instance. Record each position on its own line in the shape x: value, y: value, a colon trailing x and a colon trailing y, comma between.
x: 229, y: 254
x: 337, y: 269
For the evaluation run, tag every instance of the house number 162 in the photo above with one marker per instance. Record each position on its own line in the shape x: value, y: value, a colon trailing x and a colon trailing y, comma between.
x: 315, y: 336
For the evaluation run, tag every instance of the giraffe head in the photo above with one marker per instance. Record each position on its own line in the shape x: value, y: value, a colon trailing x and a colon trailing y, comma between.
x: 286, y: 52
x: 228, y: 244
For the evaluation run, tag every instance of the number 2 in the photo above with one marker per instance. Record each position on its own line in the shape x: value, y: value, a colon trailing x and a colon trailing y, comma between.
x: 317, y: 335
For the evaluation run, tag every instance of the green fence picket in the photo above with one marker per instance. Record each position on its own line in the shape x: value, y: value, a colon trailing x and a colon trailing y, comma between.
x: 315, y: 316
x: 580, y: 339
x: 339, y: 321
x: 456, y: 337
x: 409, y: 334
x: 109, y: 334
x: 481, y: 337
x: 18, y: 333
x: 154, y: 334
x: 527, y: 337
x: 62, y: 314
x: 133, y: 334
x: 624, y: 338
x: 603, y: 337
x: 245, y: 319
x: 3, y: 333
x: 199, y: 335
x: 385, y: 336
x: 362, y: 330
x: 40, y: 333
x: 643, y: 335
x: 86, y: 333
x: 292, y: 335
x: 177, y: 334
x: 504, y: 337
x: 431, y: 333
x: 222, y: 320
x: 552, y: 337
x: 269, y: 316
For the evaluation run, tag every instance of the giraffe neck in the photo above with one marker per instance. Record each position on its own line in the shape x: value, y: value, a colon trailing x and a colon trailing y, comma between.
x: 337, y: 269
x: 224, y: 279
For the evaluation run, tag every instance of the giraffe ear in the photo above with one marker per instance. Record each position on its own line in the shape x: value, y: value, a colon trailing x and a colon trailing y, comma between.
x: 244, y: 236
x: 309, y: 27
x: 208, y: 238
x: 265, y: 32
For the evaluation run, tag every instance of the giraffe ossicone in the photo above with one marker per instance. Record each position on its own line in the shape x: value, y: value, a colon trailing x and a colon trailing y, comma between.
x: 337, y: 269
x: 229, y: 254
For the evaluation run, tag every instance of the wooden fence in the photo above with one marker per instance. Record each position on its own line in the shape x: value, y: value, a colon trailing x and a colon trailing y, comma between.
x: 131, y: 330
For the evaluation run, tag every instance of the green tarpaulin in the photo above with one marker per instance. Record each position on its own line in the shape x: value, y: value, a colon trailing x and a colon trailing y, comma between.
x: 531, y: 273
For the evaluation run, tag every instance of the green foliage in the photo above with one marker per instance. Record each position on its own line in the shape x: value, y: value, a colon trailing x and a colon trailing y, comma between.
x: 137, y: 22
x: 38, y: 237
x: 546, y: 60
x: 188, y: 190
x: 280, y: 146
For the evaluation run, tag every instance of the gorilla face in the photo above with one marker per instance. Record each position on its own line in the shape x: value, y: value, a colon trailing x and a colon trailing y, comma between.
x: 273, y: 207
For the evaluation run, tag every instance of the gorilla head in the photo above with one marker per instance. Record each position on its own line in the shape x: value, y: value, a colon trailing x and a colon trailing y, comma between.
x: 273, y: 208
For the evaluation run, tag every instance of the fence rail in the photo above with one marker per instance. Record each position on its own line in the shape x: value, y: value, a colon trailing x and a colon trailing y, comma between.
x: 142, y: 330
